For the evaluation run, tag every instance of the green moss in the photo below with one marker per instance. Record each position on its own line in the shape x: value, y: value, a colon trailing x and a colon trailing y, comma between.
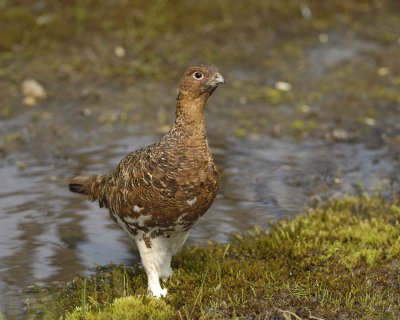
x: 240, y: 132
x: 301, y: 125
x: 273, y: 96
x: 10, y: 138
x: 138, y: 308
x: 338, y: 261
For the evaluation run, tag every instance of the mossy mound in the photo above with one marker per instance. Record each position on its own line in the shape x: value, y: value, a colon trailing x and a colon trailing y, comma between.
x: 138, y: 308
x: 338, y: 261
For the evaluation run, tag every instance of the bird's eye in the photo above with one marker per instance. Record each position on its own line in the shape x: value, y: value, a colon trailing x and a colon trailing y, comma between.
x: 198, y: 75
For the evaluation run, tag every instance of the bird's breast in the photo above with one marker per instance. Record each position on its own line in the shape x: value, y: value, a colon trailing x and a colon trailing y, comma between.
x: 177, y: 186
x: 185, y: 192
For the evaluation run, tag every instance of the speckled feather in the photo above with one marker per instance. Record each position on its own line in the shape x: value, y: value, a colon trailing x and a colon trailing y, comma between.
x: 173, y: 179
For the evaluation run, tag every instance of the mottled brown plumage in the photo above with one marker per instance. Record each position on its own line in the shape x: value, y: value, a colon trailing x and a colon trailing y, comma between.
x: 157, y: 193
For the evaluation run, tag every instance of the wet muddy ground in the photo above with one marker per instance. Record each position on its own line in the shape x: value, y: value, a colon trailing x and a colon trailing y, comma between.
x: 311, y: 109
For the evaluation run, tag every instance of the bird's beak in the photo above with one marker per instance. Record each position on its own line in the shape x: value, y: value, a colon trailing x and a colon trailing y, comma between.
x: 218, y: 78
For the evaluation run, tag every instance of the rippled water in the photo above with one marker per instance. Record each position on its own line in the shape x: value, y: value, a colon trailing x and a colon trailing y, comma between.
x: 49, y: 234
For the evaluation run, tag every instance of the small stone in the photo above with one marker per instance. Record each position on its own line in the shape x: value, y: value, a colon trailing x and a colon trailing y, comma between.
x: 370, y: 121
x: 323, y: 38
x: 119, y: 52
x: 33, y: 91
x: 383, y: 71
x: 337, y: 180
x: 305, y: 11
x: 44, y: 19
x: 283, y: 86
x: 340, y: 134
x: 87, y: 112
x: 32, y: 88
x: 31, y: 289
x: 304, y: 109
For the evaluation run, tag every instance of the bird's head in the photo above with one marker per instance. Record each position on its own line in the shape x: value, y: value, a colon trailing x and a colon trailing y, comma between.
x: 199, y: 81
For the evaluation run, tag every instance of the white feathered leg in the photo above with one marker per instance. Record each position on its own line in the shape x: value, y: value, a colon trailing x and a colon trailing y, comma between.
x: 156, y: 260
x: 175, y: 244
x: 153, y: 259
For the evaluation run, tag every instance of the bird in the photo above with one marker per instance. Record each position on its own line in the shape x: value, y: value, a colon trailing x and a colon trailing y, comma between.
x: 157, y: 193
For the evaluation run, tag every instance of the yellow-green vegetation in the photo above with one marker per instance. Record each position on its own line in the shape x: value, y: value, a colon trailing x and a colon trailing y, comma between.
x: 138, y: 308
x: 338, y: 261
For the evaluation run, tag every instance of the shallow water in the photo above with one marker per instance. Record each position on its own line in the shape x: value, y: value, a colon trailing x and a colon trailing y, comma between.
x: 49, y: 234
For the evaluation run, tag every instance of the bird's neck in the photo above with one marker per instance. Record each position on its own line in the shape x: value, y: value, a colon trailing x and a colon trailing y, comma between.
x: 190, y: 116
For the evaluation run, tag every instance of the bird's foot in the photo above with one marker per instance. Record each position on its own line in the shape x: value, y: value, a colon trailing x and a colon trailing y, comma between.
x: 158, y: 292
x: 155, y: 287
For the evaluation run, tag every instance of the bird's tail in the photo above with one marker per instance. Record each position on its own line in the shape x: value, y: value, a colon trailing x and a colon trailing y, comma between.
x: 81, y: 184
x: 96, y: 187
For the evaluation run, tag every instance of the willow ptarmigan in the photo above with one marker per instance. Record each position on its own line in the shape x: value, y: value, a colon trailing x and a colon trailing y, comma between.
x: 157, y: 193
